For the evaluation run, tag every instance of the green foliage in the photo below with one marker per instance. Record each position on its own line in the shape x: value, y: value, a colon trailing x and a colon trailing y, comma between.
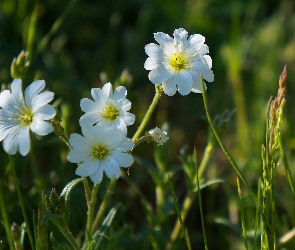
x: 77, y: 45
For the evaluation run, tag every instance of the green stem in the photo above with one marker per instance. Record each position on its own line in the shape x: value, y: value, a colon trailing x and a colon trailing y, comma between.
x: 244, y: 232
x: 87, y: 189
x: 200, y: 201
x: 91, y: 205
x: 257, y: 215
x: 181, y: 218
x: 67, y: 233
x: 66, y: 140
x: 206, y: 157
x: 231, y: 161
x: 21, y: 201
x: 4, y: 217
x: 103, y: 205
x: 32, y: 31
x: 149, y: 113
x: 188, y: 201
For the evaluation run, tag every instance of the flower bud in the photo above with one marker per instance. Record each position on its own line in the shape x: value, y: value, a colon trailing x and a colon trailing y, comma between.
x: 19, y: 66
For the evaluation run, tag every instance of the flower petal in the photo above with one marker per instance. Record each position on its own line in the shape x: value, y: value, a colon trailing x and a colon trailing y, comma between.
x: 96, y: 177
x: 87, y: 168
x: 151, y: 63
x: 123, y: 159
x: 125, y: 144
x: 202, y: 67
x: 180, y: 37
x: 194, y: 43
x: 108, y: 89
x: 197, y: 88
x: 159, y: 75
x: 90, y: 118
x: 184, y: 82
x: 78, y: 142
x: 87, y: 105
x: 33, y: 90
x: 169, y: 87
x: 98, y: 95
x: 40, y: 100
x: 24, y: 142
x: 10, y: 144
x: 16, y: 88
x: 129, y: 118
x: 163, y: 39
x: 154, y: 51
x: 111, y: 168
x: 120, y: 93
x: 46, y: 112
x: 126, y: 105
x: 40, y: 127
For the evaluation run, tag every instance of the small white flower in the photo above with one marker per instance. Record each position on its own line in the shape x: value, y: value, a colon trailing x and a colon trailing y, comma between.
x: 177, y: 63
x: 101, y: 149
x: 157, y: 135
x: 107, y: 107
x: 19, y: 115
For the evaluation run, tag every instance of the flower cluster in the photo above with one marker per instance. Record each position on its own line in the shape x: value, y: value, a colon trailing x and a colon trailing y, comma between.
x: 103, y: 146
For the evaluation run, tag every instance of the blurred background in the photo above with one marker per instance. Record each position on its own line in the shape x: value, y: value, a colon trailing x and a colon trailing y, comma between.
x: 78, y: 45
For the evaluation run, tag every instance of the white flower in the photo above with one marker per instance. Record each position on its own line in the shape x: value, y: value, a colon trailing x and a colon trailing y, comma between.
x: 177, y: 63
x: 19, y: 115
x: 157, y: 135
x: 101, y: 149
x: 107, y: 107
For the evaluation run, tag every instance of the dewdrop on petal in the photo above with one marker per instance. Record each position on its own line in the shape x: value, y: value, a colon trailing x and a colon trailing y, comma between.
x: 156, y: 135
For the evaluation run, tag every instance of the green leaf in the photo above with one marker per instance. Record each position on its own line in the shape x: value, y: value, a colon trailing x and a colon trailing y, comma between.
x: 99, y: 235
x: 57, y: 245
x: 90, y: 241
x: 208, y: 183
x: 48, y: 217
x: 69, y: 187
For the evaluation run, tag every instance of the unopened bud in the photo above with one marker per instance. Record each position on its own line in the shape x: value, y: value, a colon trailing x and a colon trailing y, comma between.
x: 156, y: 135
x: 19, y: 66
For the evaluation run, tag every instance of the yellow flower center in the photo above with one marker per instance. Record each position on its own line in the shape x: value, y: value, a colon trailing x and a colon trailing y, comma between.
x: 111, y: 113
x: 100, y: 152
x: 179, y: 62
x: 26, y: 119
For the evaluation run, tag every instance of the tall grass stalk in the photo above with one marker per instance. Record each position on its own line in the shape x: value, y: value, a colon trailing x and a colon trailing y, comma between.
x: 244, y: 231
x: 185, y: 233
x: 190, y: 196
x: 257, y: 214
x: 271, y: 155
x: 228, y: 156
x: 200, y: 201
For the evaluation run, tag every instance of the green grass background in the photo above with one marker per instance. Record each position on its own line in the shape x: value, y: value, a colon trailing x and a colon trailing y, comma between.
x: 99, y: 41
